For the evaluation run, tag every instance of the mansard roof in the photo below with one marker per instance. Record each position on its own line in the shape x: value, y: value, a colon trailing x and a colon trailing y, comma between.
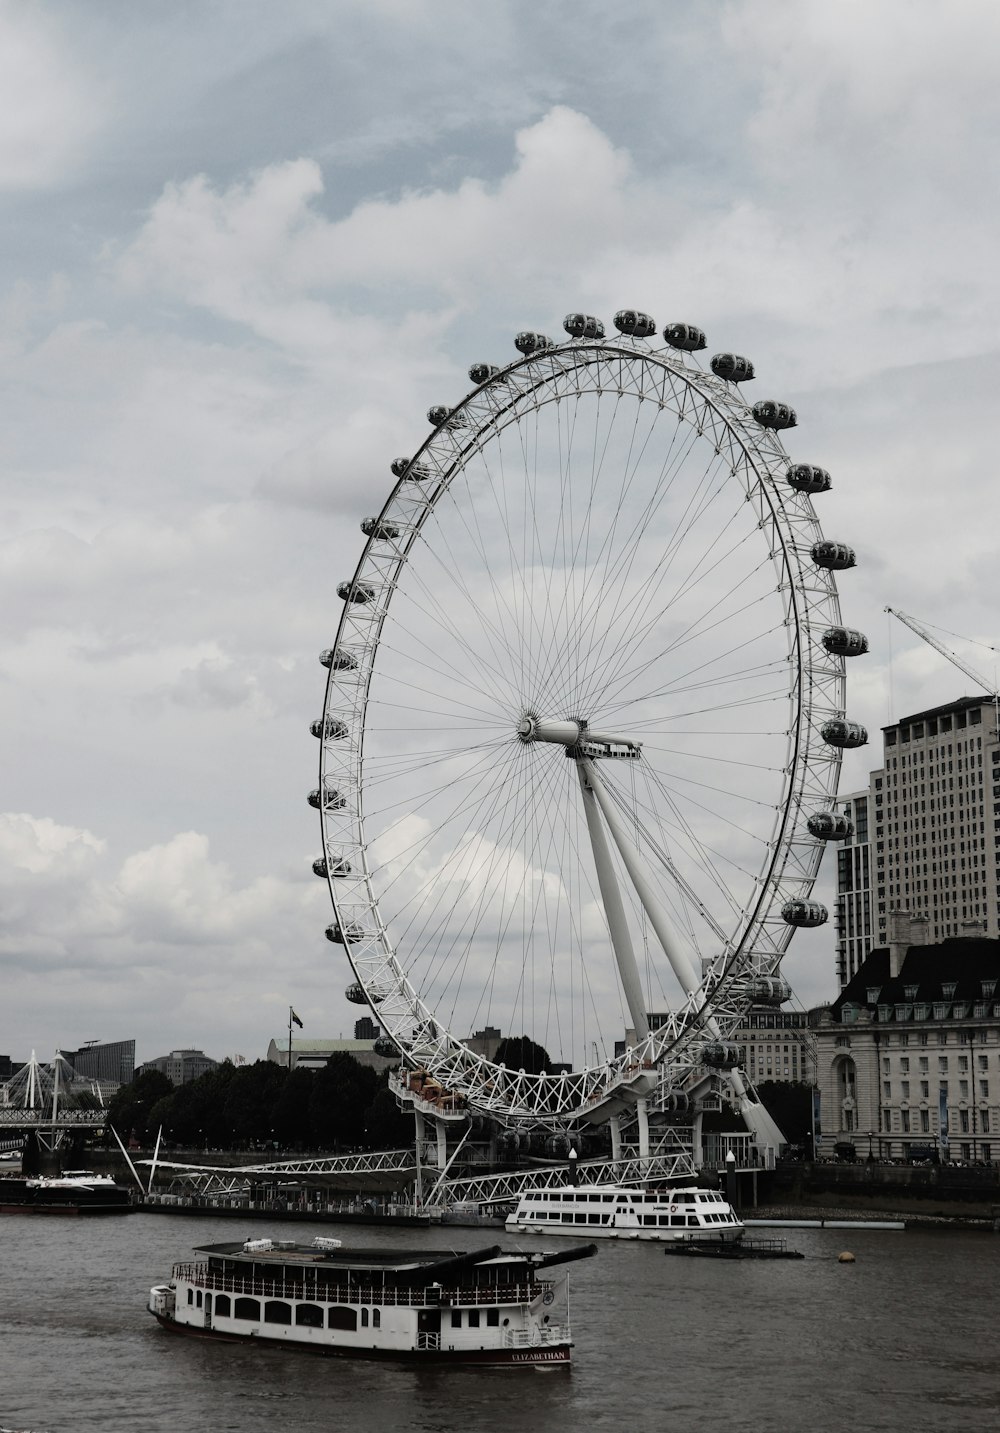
x: 928, y: 972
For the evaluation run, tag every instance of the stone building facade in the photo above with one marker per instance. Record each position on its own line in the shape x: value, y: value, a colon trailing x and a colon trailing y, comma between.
x: 909, y: 1052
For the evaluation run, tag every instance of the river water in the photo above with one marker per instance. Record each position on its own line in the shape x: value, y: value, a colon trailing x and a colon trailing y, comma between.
x: 904, y: 1339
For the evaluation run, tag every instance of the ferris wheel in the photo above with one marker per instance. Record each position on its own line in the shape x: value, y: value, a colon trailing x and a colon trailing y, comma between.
x: 583, y: 723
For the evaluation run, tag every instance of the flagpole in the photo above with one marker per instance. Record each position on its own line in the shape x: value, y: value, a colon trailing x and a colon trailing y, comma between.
x: 289, y: 1039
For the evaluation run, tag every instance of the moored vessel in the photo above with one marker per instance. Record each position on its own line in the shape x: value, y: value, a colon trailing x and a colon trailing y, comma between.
x: 611, y: 1211
x: 78, y: 1191
x: 481, y: 1307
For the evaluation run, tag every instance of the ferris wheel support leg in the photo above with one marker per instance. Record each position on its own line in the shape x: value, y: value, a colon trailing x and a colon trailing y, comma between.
x: 643, y: 1116
x: 767, y: 1136
x: 441, y: 1129
x: 614, y: 908
x: 679, y: 962
x: 697, y: 1146
x: 616, y: 1138
x: 418, y: 1141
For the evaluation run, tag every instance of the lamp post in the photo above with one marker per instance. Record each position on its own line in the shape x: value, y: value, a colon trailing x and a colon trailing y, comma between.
x: 871, y: 1136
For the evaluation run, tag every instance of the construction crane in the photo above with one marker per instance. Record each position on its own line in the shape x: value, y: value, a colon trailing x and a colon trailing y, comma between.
x: 952, y: 657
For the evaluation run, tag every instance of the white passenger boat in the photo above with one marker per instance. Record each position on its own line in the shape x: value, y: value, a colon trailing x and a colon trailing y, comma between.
x: 483, y: 1307
x: 610, y: 1211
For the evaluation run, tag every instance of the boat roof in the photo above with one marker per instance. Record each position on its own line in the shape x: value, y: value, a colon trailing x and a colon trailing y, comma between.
x: 402, y: 1261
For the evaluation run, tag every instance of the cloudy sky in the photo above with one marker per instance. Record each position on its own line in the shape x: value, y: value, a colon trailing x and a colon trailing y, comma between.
x: 246, y: 246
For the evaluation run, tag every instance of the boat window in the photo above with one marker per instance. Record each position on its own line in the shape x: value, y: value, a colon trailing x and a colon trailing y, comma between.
x: 338, y: 1317
x: 222, y: 1306
x: 198, y: 1299
x: 276, y: 1311
x: 376, y: 1318
x: 456, y: 1318
x: 309, y: 1316
x: 473, y: 1318
x: 247, y: 1309
x: 364, y: 1318
x: 190, y: 1296
x: 492, y: 1318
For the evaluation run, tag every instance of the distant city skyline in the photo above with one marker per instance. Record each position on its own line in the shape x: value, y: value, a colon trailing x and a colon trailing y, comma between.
x: 243, y: 260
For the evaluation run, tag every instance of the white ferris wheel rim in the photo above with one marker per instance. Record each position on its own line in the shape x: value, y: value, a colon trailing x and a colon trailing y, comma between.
x: 713, y: 412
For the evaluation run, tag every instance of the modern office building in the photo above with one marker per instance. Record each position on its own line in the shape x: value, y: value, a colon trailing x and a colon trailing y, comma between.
x: 779, y: 1046
x: 936, y: 814
x: 853, y: 909
x: 111, y: 1063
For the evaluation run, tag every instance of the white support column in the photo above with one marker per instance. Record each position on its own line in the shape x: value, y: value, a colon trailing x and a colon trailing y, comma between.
x: 616, y: 1137
x: 441, y: 1130
x: 758, y: 1120
x: 682, y: 967
x: 643, y: 1115
x: 418, y: 1140
x: 614, y: 909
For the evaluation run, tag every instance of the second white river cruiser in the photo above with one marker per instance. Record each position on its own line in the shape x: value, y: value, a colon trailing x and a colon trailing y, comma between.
x: 611, y: 1211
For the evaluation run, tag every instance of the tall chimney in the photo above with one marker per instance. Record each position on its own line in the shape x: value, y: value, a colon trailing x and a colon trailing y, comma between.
x: 900, y: 940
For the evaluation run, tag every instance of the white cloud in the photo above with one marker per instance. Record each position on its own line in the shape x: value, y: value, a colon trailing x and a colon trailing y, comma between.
x: 51, y: 110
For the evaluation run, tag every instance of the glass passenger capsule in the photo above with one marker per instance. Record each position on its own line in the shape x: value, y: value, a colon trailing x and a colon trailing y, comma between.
x: 350, y: 933
x: 483, y: 372
x: 356, y: 994
x: 441, y: 417
x: 338, y: 660
x: 844, y: 733
x: 386, y: 1048
x: 359, y: 592
x: 678, y: 1102
x: 379, y: 528
x: 328, y: 800
x: 768, y: 990
x: 836, y: 556
x: 638, y: 325
x: 721, y: 1055
x: 319, y: 867
x: 771, y: 414
x: 830, y: 826
x: 845, y: 642
x: 685, y: 336
x: 407, y: 468
x: 807, y: 478
x: 583, y: 325
x: 527, y: 341
x: 806, y: 914
x: 733, y: 367
x: 328, y: 729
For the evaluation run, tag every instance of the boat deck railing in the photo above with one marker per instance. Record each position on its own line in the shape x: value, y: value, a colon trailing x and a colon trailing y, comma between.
x: 537, y: 1337
x: 433, y: 1296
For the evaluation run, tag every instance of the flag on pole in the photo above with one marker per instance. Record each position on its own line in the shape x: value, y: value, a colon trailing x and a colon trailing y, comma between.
x: 295, y: 1018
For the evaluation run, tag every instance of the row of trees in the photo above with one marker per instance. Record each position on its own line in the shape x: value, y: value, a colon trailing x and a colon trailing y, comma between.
x: 343, y: 1106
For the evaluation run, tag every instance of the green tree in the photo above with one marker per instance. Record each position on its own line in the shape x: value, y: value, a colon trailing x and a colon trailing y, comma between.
x: 388, y: 1126
x: 342, y: 1093
x: 128, y: 1111
x: 790, y: 1106
x: 517, y: 1052
x: 291, y: 1121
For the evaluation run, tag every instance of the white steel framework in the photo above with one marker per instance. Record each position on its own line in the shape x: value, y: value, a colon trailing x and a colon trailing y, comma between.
x: 599, y: 538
